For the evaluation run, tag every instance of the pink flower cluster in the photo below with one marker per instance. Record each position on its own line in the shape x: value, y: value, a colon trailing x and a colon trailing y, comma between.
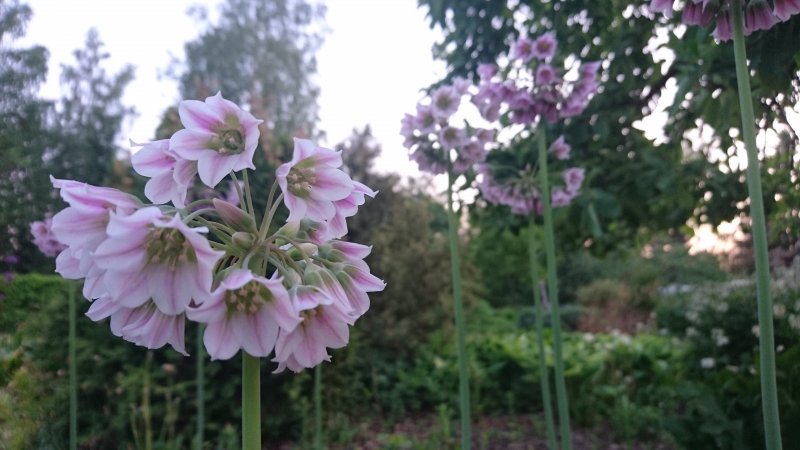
x: 531, y: 88
x: 294, y: 291
x: 518, y: 188
x: 44, y: 239
x: 758, y: 14
x: 433, y: 139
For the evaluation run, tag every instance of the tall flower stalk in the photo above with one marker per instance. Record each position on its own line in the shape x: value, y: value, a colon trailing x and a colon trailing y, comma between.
x: 318, y: 438
x: 736, y: 19
x: 200, y: 384
x: 292, y: 291
x: 544, y: 372
x: 531, y: 91
x: 251, y: 402
x: 769, y: 388
x: 439, y: 144
x: 458, y: 309
x: 552, y: 293
x: 73, y: 370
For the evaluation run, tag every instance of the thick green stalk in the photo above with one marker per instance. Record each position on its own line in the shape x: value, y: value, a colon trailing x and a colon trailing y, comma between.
x: 73, y: 371
x: 318, y: 407
x: 458, y: 305
x: 544, y: 373
x: 251, y: 402
x: 552, y: 293
x: 769, y: 388
x: 200, y: 381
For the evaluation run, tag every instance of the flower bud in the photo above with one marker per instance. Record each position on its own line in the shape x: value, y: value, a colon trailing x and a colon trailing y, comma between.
x: 243, y: 240
x: 234, y: 216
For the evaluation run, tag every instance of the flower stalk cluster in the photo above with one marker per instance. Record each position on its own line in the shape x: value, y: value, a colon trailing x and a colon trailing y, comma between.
x: 294, y: 290
x: 532, y: 91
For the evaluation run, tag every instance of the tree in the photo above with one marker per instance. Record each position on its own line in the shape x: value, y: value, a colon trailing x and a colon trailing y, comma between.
x: 407, y: 251
x: 259, y: 53
x: 635, y: 187
x: 89, y: 116
x: 24, y: 188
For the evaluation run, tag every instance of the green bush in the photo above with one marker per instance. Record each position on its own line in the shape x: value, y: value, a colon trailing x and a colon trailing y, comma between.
x: 721, y: 398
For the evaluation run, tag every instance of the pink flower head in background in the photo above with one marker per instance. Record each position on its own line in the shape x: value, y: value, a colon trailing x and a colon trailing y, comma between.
x: 433, y: 139
x: 246, y: 312
x: 536, y: 90
x: 170, y: 176
x: 219, y: 135
x: 312, y: 181
x: 44, y: 239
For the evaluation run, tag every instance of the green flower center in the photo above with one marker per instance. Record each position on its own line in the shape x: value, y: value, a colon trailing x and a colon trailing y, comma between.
x: 169, y: 247
x: 247, y: 299
x: 301, y: 177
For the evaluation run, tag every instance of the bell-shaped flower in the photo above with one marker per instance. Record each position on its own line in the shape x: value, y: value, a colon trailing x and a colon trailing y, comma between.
x: 573, y: 178
x: 82, y: 225
x: 544, y: 47
x: 324, y: 325
x: 219, y: 135
x: 149, y: 255
x: 560, y: 149
x: 444, y: 102
x: 561, y: 197
x: 145, y: 325
x: 348, y: 207
x: 312, y: 182
x: 170, y: 176
x: 245, y: 312
x: 784, y: 9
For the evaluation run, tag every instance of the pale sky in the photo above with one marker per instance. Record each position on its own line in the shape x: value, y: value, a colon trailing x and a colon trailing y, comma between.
x: 375, y: 59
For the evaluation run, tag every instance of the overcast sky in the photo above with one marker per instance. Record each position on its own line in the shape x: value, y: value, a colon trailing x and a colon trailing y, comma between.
x: 375, y: 59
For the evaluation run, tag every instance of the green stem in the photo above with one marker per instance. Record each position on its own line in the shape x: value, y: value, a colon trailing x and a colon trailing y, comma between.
x: 458, y: 304
x: 552, y: 293
x: 200, y: 380
x: 238, y: 188
x: 147, y: 414
x: 318, y: 407
x: 269, y: 211
x: 769, y: 388
x: 73, y: 371
x: 248, y: 195
x: 251, y: 402
x: 544, y: 373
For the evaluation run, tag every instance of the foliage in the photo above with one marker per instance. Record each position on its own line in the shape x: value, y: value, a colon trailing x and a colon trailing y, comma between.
x: 89, y: 116
x: 120, y: 385
x: 259, y: 53
x: 722, y: 403
x: 73, y: 138
x: 408, y: 252
x: 634, y: 187
x: 23, y: 135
